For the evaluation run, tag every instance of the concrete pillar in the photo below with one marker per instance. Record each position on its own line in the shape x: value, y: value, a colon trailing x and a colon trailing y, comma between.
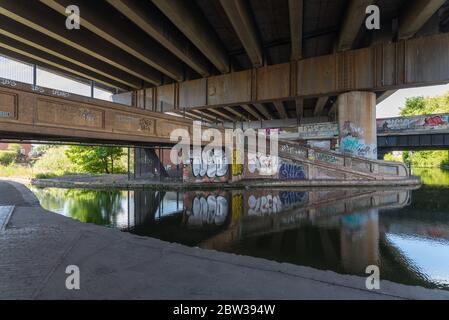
x: 357, y: 124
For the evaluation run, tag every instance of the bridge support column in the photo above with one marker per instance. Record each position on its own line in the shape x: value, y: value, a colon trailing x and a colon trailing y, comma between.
x: 357, y: 124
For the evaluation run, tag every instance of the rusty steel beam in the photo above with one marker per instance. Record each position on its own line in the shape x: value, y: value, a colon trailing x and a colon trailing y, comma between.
x: 239, y: 13
x: 28, y: 36
x: 252, y: 112
x: 384, y: 96
x: 281, y: 109
x: 299, y: 104
x: 205, y: 115
x: 159, y: 28
x: 142, y: 47
x: 319, y: 106
x: 26, y: 53
x: 386, y: 66
x: 296, y: 11
x: 415, y: 14
x: 190, y: 20
x: 236, y: 113
x: 354, y: 19
x: 221, y: 114
x: 34, y: 15
x: 263, y: 110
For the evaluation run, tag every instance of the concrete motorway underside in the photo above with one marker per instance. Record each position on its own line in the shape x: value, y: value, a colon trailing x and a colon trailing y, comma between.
x: 37, y: 246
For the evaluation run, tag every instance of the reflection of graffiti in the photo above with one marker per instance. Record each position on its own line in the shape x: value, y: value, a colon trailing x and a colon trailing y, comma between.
x: 414, y: 123
x: 290, y: 171
x: 210, y: 210
x: 292, y: 199
x: 268, y: 204
x: 237, y: 206
x: 264, y: 165
x: 237, y: 168
x: 213, y: 164
x: 272, y: 204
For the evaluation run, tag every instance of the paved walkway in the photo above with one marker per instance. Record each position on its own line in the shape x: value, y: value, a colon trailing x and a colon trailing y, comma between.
x: 38, y: 245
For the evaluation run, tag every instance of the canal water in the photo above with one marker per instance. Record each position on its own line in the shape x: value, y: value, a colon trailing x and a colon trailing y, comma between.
x: 405, y: 232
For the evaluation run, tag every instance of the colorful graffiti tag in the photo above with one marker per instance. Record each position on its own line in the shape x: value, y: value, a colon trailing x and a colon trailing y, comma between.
x: 237, y: 168
x: 414, y: 123
x: 208, y: 210
x: 262, y: 164
x: 210, y: 164
x: 318, y: 130
x: 352, y: 142
x: 290, y: 171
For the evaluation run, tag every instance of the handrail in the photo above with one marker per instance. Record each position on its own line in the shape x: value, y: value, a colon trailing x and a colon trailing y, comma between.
x: 343, y: 160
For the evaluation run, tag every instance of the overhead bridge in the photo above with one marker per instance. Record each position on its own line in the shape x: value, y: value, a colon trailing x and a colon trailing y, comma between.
x: 29, y: 112
x: 427, y: 132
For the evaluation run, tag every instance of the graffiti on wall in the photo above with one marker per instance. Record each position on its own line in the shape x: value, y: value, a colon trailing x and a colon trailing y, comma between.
x: 298, y: 151
x: 415, y: 123
x: 211, y: 164
x: 262, y: 164
x: 291, y: 171
x: 237, y: 168
x: 352, y: 142
x: 208, y: 210
x: 324, y: 130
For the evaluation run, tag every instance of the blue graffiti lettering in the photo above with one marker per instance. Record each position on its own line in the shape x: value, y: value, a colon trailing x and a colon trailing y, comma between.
x: 290, y: 171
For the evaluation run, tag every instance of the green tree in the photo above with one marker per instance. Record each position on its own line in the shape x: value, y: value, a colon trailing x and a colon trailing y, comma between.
x: 96, y: 159
x: 421, y: 106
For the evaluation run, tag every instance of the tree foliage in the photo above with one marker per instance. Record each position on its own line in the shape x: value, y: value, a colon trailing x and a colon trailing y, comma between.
x: 422, y: 106
x: 426, y: 105
x: 96, y: 159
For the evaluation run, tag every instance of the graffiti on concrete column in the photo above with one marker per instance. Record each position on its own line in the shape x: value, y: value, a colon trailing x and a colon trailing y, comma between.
x: 291, y: 171
x: 211, y: 164
x: 208, y: 210
x: 352, y: 142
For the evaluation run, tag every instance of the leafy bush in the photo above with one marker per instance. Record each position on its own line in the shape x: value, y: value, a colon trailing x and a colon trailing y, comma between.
x: 54, y: 162
x: 7, y: 157
x: 97, y: 159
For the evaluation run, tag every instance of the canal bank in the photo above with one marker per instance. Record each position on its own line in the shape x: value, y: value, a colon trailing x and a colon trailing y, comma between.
x: 37, y: 246
x: 122, y: 182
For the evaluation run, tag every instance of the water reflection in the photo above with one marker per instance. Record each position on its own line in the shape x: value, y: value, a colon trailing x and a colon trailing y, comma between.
x: 344, y: 230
